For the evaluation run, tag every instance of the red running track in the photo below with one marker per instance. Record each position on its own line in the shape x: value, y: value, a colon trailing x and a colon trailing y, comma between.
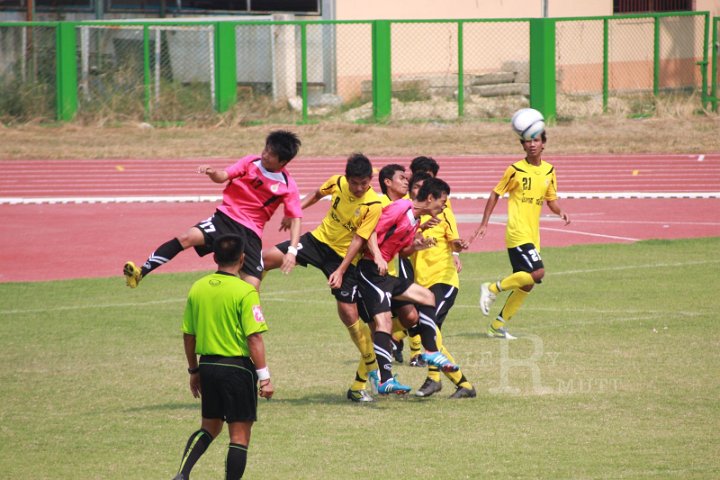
x: 577, y: 174
x: 80, y: 239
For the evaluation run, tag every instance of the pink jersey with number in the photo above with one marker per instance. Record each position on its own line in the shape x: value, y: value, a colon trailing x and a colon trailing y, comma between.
x: 396, y: 228
x: 253, y: 194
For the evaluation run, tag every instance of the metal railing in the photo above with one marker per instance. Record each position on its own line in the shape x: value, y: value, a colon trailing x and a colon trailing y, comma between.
x: 307, y: 71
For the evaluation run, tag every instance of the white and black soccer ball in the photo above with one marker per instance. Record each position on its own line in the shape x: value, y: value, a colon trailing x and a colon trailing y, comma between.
x: 528, y: 123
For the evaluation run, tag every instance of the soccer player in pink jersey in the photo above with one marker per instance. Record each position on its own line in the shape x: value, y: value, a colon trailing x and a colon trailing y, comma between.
x: 397, y: 233
x: 256, y: 186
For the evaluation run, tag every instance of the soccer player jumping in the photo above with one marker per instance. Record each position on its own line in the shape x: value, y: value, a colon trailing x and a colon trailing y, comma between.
x: 528, y: 182
x: 256, y: 186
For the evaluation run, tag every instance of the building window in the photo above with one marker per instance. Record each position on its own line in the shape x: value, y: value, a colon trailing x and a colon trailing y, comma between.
x: 644, y: 6
x: 49, y: 5
x: 213, y: 6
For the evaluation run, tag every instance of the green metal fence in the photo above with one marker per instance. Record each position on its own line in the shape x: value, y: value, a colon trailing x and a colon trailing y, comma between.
x: 305, y: 71
x: 714, y: 76
x: 626, y: 63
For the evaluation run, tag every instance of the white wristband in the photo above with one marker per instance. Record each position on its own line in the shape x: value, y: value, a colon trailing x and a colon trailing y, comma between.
x: 292, y: 250
x: 457, y: 254
x: 263, y: 374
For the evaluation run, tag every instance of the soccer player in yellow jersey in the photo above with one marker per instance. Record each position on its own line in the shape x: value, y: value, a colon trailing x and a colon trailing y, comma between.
x: 333, y: 247
x: 528, y: 183
x: 435, y: 270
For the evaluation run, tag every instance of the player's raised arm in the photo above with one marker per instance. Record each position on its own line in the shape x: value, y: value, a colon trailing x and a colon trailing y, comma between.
x: 217, y: 176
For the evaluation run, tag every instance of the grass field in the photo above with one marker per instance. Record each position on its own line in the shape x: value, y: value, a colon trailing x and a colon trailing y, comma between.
x: 615, y: 375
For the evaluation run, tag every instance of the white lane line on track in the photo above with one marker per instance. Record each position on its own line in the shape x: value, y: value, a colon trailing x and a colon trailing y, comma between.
x: 459, y: 196
x: 588, y: 234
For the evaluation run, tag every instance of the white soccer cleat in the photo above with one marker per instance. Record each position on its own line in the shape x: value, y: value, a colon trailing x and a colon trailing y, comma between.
x: 486, y: 298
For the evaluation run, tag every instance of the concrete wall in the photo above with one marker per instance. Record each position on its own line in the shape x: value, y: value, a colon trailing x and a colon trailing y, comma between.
x: 426, y: 9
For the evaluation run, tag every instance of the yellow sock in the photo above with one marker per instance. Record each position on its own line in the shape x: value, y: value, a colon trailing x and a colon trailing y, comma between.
x: 513, y: 303
x: 433, y: 372
x: 362, y: 338
x: 415, y: 345
x: 516, y: 280
x: 398, y: 331
x: 360, y: 382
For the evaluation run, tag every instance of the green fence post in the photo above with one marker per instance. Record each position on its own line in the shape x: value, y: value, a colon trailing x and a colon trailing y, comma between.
x: 704, y: 62
x: 225, y: 66
x: 606, y: 59
x: 66, y: 71
x: 303, y: 72
x: 714, y: 70
x: 543, y: 90
x: 147, y: 78
x: 381, y: 69
x: 656, y: 58
x: 461, y: 73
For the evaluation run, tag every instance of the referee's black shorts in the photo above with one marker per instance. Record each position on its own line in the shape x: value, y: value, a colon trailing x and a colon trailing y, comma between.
x: 229, y: 388
x: 312, y: 251
x: 220, y: 224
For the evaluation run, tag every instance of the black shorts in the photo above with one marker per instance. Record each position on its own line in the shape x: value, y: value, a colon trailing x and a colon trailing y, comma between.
x: 229, y: 388
x: 525, y: 258
x: 220, y: 224
x: 376, y: 291
x: 312, y: 251
x: 405, y: 269
x: 444, y: 300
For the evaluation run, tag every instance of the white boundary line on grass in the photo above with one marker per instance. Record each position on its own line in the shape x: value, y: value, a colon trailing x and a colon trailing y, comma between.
x: 458, y: 196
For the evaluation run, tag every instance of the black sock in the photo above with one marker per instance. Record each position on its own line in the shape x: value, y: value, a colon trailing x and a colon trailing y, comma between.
x: 427, y: 327
x: 196, y: 446
x: 383, y: 347
x: 162, y: 255
x: 236, y: 461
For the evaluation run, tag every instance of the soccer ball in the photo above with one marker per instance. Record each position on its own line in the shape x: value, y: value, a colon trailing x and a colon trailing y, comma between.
x: 528, y: 123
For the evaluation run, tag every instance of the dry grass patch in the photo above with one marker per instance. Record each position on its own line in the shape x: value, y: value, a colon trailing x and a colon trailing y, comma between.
x: 667, y: 133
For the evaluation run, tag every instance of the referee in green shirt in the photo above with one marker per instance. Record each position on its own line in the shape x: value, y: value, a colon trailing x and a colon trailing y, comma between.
x: 223, y: 324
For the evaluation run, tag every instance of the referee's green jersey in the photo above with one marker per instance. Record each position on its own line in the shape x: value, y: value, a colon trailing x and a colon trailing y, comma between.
x: 221, y: 312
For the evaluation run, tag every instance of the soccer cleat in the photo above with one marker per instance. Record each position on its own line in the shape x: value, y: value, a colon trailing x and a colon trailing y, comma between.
x: 417, y: 361
x: 359, y: 396
x: 437, y: 359
x: 486, y: 298
x: 393, y: 386
x: 463, y: 392
x: 499, y: 333
x: 397, y: 350
x: 374, y: 379
x: 133, y: 274
x: 428, y: 388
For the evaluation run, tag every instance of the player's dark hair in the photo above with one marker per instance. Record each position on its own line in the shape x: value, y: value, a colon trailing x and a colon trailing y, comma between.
x: 358, y: 166
x: 228, y: 249
x: 432, y: 186
x: 543, y: 137
x: 418, y: 177
x: 424, y: 164
x: 284, y: 144
x: 387, y: 173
